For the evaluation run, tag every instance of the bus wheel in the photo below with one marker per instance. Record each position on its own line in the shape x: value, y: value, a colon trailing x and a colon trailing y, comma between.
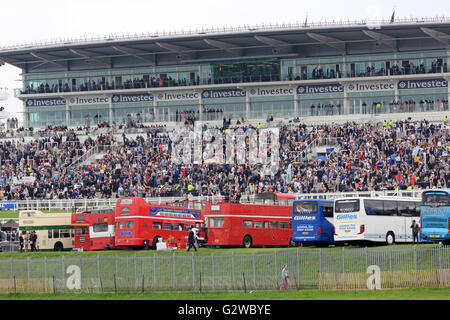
x: 107, y: 247
x: 390, y: 238
x: 58, y: 247
x: 247, y: 242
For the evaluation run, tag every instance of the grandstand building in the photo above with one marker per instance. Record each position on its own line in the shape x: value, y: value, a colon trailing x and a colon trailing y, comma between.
x: 327, y: 72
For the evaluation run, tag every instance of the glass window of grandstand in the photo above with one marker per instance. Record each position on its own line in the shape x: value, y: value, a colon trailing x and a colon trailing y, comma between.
x: 280, y: 108
x: 422, y: 103
x: 371, y: 105
x: 89, y: 117
x: 179, y: 113
x: 322, y: 107
x: 219, y: 111
x: 257, y: 70
x: 132, y: 116
x: 322, y: 71
x: 46, y: 118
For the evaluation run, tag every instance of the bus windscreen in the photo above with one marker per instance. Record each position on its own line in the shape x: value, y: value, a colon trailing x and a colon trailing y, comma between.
x: 343, y: 206
x: 305, y: 207
x: 436, y: 200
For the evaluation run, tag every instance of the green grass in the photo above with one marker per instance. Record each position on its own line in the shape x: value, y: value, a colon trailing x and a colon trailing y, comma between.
x: 308, y: 294
x: 14, y: 214
x: 201, y: 251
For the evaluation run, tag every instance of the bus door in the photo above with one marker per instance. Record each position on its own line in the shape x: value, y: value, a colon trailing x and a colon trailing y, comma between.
x: 327, y: 221
x: 408, y: 210
x: 82, y: 239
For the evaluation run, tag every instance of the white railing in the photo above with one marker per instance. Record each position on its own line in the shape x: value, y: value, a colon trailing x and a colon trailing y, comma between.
x: 85, y: 204
x: 224, y: 30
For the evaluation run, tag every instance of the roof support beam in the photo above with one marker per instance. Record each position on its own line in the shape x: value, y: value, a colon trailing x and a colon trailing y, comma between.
x: 182, y: 52
x: 228, y: 47
x: 332, y: 42
x: 439, y: 36
x: 139, y: 54
x: 277, y: 45
x: 381, y: 38
x: 91, y: 56
x: 49, y: 59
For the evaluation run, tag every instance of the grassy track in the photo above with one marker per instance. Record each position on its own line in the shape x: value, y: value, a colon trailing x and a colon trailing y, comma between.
x: 308, y: 294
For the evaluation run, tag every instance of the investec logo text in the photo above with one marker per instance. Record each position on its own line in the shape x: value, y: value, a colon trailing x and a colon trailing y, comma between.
x: 252, y: 147
x: 422, y: 84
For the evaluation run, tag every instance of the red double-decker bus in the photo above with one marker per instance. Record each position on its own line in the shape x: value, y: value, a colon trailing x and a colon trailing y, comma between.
x: 94, y: 229
x: 141, y: 224
x: 265, y: 222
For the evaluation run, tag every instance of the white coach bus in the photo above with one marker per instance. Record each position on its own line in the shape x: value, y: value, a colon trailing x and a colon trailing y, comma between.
x: 381, y: 219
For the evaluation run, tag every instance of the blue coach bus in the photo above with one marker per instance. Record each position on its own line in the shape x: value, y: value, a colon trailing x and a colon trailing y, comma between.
x: 435, y: 215
x: 312, y: 221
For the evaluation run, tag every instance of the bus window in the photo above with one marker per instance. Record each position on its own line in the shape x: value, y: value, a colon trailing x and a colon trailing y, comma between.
x: 284, y: 225
x: 168, y: 226
x: 81, y: 231
x: 390, y: 208
x: 435, y: 199
x: 129, y: 225
x: 157, y: 225
x: 327, y: 209
x: 65, y: 233
x: 216, y: 222
x: 122, y: 225
x: 273, y: 225
x: 188, y: 227
x: 305, y: 207
x: 247, y: 224
x: 125, y: 201
x: 100, y: 227
x: 50, y: 234
x: 374, y: 207
x: 189, y: 205
x: 406, y: 209
x: 343, y: 206
x: 198, y: 206
x: 56, y: 233
x: 417, y: 211
x: 257, y: 224
x: 266, y: 224
x: 178, y: 226
x: 290, y: 202
x: 282, y: 202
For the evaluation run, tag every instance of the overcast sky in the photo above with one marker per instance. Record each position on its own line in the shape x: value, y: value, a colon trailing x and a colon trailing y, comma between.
x: 28, y: 21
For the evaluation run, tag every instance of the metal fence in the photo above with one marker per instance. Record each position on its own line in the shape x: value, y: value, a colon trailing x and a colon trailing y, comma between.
x: 330, y: 268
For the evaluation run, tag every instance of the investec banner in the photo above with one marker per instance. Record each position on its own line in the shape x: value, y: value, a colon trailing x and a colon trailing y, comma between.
x: 271, y: 91
x: 320, y: 88
x: 177, y: 96
x: 87, y: 100
x: 370, y: 86
x: 223, y: 93
x: 45, y: 102
x: 132, y: 98
x: 422, y: 84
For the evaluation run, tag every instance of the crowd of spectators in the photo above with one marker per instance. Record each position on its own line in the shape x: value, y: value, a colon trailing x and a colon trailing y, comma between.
x: 401, y: 155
